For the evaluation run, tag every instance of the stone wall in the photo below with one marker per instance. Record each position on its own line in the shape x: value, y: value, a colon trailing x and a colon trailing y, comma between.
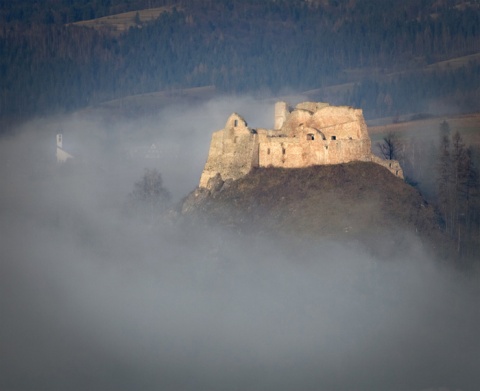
x: 233, y: 151
x: 310, y: 134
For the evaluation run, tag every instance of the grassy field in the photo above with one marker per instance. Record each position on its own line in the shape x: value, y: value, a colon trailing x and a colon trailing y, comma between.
x: 453, y: 63
x: 467, y: 124
x: 119, y: 23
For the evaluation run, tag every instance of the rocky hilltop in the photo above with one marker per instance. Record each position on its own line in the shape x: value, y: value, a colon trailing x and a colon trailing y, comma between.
x: 357, y: 201
x: 312, y: 176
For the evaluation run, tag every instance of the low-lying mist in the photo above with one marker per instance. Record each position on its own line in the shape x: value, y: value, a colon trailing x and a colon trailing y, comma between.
x: 93, y: 298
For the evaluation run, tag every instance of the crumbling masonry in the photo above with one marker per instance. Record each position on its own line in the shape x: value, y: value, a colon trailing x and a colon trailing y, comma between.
x: 310, y: 134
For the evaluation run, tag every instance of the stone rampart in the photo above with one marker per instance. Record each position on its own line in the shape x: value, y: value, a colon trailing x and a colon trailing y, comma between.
x: 310, y: 134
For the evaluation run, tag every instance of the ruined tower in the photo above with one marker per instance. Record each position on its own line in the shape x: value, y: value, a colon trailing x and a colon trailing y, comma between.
x: 281, y: 112
x: 313, y: 133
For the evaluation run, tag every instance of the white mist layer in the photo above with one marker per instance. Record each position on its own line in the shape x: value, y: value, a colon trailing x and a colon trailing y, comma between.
x: 91, y: 299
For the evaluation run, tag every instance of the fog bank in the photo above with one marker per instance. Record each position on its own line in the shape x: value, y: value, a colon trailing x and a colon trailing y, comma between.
x: 94, y: 299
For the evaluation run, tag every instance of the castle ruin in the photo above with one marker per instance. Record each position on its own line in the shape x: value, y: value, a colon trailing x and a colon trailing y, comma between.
x: 310, y: 134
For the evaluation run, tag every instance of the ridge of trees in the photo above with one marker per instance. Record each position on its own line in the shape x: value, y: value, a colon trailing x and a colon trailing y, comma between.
x: 149, y: 198
x: 238, y: 46
x: 445, y: 170
x: 458, y: 192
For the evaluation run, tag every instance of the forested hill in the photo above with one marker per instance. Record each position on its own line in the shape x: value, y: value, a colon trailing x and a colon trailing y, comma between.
x: 379, y: 49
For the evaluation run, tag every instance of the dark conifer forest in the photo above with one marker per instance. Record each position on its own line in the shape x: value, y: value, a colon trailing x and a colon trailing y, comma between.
x: 386, y: 54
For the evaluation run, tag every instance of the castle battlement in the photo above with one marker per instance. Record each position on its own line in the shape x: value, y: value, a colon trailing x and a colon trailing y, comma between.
x: 312, y: 133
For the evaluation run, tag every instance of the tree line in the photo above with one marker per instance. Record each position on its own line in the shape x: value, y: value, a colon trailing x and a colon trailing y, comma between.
x: 458, y: 193
x: 410, y: 93
x: 237, y: 46
x: 447, y: 175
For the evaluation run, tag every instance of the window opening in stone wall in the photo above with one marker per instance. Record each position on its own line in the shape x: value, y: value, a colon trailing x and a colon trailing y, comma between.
x: 310, y: 136
x: 268, y: 151
x: 283, y: 151
x: 334, y: 137
x: 235, y: 123
x: 326, y: 146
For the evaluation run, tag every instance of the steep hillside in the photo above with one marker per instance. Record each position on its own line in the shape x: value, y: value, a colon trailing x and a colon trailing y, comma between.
x: 347, y: 202
x: 61, y: 55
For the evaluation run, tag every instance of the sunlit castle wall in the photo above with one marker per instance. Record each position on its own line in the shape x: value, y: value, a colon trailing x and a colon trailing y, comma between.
x: 233, y: 151
x: 310, y: 134
x: 328, y: 135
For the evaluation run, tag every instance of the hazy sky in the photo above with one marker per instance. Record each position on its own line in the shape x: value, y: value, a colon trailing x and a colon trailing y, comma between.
x: 93, y: 299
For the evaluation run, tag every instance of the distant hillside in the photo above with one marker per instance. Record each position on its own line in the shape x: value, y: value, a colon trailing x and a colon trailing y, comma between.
x: 373, y: 54
x: 348, y: 202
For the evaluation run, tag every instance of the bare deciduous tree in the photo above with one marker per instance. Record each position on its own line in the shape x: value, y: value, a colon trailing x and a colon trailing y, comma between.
x: 389, y: 147
x: 149, y: 197
x: 458, y: 192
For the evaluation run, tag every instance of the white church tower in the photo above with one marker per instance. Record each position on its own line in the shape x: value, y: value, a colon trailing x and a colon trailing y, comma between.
x: 62, y: 155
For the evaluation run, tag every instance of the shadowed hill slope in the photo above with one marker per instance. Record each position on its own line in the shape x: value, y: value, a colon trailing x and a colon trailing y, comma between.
x: 346, y: 202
